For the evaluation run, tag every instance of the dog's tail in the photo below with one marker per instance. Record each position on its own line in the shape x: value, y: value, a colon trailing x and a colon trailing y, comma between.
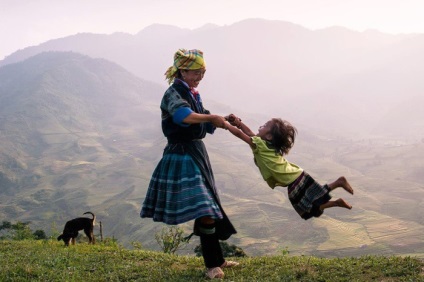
x: 94, y: 217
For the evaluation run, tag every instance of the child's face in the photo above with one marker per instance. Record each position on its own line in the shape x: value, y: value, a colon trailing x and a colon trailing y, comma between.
x: 264, y: 131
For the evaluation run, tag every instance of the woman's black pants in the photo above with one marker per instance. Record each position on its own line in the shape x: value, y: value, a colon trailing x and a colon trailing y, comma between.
x: 211, y: 249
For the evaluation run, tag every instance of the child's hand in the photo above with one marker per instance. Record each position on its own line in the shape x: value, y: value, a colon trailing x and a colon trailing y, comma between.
x: 233, y: 120
x: 229, y: 118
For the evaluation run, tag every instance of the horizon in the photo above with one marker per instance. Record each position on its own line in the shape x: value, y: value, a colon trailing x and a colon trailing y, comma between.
x: 35, y: 23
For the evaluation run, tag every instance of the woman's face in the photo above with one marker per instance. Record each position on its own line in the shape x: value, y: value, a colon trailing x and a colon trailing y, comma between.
x: 193, y: 77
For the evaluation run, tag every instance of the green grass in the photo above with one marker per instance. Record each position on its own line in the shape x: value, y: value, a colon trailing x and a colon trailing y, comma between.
x: 51, y: 261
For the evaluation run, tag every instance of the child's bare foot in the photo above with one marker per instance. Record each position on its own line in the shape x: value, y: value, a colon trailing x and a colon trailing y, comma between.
x: 342, y: 203
x: 342, y: 182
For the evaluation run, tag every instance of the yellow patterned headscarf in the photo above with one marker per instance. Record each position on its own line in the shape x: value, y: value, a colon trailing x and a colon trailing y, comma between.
x: 185, y: 60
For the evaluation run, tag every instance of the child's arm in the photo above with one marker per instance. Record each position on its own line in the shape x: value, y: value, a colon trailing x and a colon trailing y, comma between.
x: 236, y: 121
x: 246, y: 130
x: 240, y: 134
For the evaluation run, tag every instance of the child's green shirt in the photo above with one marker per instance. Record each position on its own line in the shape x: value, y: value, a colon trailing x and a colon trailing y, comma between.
x: 274, y: 168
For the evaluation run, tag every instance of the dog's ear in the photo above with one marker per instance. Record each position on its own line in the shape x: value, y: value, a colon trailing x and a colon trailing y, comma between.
x: 60, y: 237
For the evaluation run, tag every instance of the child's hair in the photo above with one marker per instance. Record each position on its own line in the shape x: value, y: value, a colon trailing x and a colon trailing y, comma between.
x: 283, y: 136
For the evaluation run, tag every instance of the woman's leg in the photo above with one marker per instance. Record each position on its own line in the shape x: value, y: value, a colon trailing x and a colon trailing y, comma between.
x: 211, y: 249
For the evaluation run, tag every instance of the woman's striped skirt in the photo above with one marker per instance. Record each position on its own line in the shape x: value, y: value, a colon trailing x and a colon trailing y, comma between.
x: 177, y: 192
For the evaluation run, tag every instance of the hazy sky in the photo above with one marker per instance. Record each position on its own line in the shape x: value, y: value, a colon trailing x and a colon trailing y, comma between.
x: 31, y: 22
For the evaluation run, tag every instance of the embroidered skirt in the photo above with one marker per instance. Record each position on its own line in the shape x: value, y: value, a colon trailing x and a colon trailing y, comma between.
x: 306, y: 195
x: 178, y: 193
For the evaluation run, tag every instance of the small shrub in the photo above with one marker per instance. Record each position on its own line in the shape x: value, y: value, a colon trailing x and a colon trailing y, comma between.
x: 137, y: 245
x: 170, y: 239
x: 111, y: 242
x: 39, y: 234
x: 284, y: 251
x: 18, y: 231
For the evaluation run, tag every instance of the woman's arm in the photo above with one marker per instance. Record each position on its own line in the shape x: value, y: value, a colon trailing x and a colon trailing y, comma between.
x: 216, y: 120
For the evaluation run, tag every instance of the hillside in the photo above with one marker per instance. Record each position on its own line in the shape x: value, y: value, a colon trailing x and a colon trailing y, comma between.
x: 360, y: 80
x: 81, y: 134
x: 72, y: 135
x: 50, y: 261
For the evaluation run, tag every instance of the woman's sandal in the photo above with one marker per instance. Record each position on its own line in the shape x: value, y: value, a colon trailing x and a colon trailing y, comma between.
x: 215, y: 272
x: 229, y: 263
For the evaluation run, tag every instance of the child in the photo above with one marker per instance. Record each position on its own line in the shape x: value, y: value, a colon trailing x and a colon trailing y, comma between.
x: 274, y: 140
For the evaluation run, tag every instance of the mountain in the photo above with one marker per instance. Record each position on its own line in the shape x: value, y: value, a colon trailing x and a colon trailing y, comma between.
x: 83, y: 134
x: 72, y: 130
x: 336, y: 81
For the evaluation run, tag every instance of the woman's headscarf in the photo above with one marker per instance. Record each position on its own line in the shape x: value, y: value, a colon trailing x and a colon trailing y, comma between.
x: 185, y: 60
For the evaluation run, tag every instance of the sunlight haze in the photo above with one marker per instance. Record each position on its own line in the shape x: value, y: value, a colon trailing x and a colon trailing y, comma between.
x: 27, y: 23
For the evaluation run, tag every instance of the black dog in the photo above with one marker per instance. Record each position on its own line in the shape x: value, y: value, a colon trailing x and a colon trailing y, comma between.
x: 70, y: 232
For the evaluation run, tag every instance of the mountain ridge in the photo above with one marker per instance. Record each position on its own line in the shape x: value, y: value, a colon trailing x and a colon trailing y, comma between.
x: 84, y: 134
x: 370, y: 73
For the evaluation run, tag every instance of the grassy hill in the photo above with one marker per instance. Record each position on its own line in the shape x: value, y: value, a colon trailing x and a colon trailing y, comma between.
x: 51, y: 261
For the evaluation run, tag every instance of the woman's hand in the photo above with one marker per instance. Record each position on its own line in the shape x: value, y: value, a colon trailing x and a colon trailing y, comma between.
x: 218, y: 121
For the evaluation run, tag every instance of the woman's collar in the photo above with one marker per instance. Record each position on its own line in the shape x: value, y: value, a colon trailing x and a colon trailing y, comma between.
x: 177, y: 80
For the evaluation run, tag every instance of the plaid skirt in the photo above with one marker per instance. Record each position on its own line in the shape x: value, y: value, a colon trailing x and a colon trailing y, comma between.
x: 178, y: 193
x: 306, y: 195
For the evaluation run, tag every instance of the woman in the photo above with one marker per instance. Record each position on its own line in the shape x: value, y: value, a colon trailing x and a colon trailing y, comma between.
x: 182, y: 187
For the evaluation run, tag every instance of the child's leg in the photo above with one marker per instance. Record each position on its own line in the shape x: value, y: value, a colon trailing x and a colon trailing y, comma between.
x: 337, y: 203
x: 341, y: 182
